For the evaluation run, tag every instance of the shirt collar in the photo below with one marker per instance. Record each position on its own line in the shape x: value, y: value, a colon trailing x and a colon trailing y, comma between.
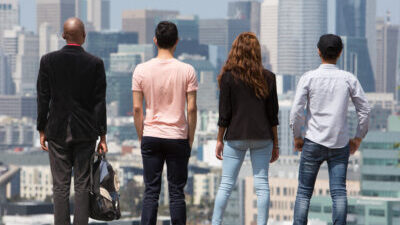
x: 328, y: 66
x: 72, y: 44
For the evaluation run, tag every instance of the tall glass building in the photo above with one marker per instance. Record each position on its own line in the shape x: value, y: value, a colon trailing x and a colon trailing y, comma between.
x: 207, y: 92
x: 351, y: 25
x: 119, y: 90
x: 246, y: 10
x: 356, y: 59
x: 350, y: 17
x: 102, y: 44
x: 301, y: 23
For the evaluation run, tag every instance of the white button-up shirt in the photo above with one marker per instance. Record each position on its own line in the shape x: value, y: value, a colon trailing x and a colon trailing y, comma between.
x: 326, y: 92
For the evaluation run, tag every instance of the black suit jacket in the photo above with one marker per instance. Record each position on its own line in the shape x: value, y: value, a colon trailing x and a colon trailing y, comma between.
x: 71, y: 89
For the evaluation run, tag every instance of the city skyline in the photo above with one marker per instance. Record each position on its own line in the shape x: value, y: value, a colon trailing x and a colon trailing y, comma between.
x: 121, y: 32
x: 220, y: 9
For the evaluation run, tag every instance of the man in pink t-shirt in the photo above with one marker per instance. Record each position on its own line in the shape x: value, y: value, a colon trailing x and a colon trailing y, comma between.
x: 167, y: 86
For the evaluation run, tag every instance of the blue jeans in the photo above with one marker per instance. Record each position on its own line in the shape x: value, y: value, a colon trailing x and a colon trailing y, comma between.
x: 234, y: 153
x: 312, y: 156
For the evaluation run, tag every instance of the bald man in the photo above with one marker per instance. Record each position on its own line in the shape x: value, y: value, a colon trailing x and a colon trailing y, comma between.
x: 71, y: 90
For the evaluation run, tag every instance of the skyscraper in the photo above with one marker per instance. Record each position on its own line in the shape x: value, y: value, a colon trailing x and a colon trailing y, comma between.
x: 387, y: 41
x: 55, y: 12
x: 10, y: 48
x: 6, y: 83
x: 370, y: 31
x: 221, y: 32
x: 102, y: 44
x: 98, y: 14
x: 81, y: 8
x: 355, y: 59
x: 45, y: 31
x: 207, y: 93
x: 48, y: 39
x: 119, y: 92
x: 269, y: 31
x: 27, y: 64
x: 246, y: 10
x: 144, y: 22
x: 351, y: 24
x: 351, y: 18
x: 301, y: 23
x: 9, y: 15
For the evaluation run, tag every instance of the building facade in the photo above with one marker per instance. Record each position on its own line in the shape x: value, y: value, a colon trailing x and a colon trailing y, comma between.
x: 54, y: 12
x: 9, y: 16
x: 98, y: 14
x: 269, y: 31
x: 18, y: 106
x: 301, y: 23
x: 6, y: 82
x: 221, y: 32
x: 380, y: 171
x: 102, y: 44
x: 355, y: 58
x: 144, y: 22
x: 246, y: 10
x: 17, y: 133
x: 361, y: 210
x: 387, y: 41
x: 26, y: 64
x: 207, y: 91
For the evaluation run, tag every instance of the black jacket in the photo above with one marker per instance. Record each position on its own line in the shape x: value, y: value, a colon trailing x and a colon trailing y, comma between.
x: 245, y: 116
x: 71, y: 89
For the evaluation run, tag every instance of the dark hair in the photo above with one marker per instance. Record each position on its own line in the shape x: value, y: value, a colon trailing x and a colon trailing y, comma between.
x: 330, y: 46
x: 166, y: 34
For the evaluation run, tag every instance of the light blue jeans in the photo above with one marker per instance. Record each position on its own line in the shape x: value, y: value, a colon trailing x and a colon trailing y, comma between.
x: 233, y: 156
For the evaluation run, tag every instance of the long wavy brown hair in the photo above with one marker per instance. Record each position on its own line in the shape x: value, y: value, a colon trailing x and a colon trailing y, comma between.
x: 244, y: 62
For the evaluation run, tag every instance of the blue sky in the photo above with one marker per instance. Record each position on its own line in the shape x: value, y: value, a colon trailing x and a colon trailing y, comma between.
x: 203, y: 8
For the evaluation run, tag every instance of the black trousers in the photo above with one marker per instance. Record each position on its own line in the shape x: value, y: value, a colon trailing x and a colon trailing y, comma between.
x: 176, y: 153
x: 67, y: 157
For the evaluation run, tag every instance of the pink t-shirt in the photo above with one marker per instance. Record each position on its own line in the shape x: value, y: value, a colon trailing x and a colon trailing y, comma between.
x: 164, y: 83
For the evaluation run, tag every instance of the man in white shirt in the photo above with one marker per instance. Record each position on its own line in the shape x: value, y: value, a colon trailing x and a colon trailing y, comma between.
x: 325, y: 93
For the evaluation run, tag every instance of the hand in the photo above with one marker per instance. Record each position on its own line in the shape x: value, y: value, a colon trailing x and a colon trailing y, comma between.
x: 354, y: 145
x: 102, y: 147
x: 43, y: 140
x: 275, y: 153
x: 298, y: 144
x: 219, y: 150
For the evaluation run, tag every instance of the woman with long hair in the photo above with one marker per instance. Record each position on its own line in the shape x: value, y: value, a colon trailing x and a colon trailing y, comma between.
x: 248, y: 119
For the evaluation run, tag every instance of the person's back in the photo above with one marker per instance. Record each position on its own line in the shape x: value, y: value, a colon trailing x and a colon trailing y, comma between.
x: 74, y: 80
x: 166, y: 136
x: 329, y: 91
x: 71, y: 91
x: 326, y: 93
x: 164, y: 83
x: 248, y: 120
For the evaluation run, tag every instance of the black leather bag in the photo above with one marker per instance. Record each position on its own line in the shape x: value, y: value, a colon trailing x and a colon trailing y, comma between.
x: 104, y: 187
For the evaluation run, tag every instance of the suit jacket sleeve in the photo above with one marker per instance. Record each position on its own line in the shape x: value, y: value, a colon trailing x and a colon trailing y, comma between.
x: 43, y: 95
x: 100, y: 100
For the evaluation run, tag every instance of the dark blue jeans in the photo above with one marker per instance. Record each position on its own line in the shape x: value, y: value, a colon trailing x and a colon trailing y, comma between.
x: 175, y: 153
x: 312, y: 156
